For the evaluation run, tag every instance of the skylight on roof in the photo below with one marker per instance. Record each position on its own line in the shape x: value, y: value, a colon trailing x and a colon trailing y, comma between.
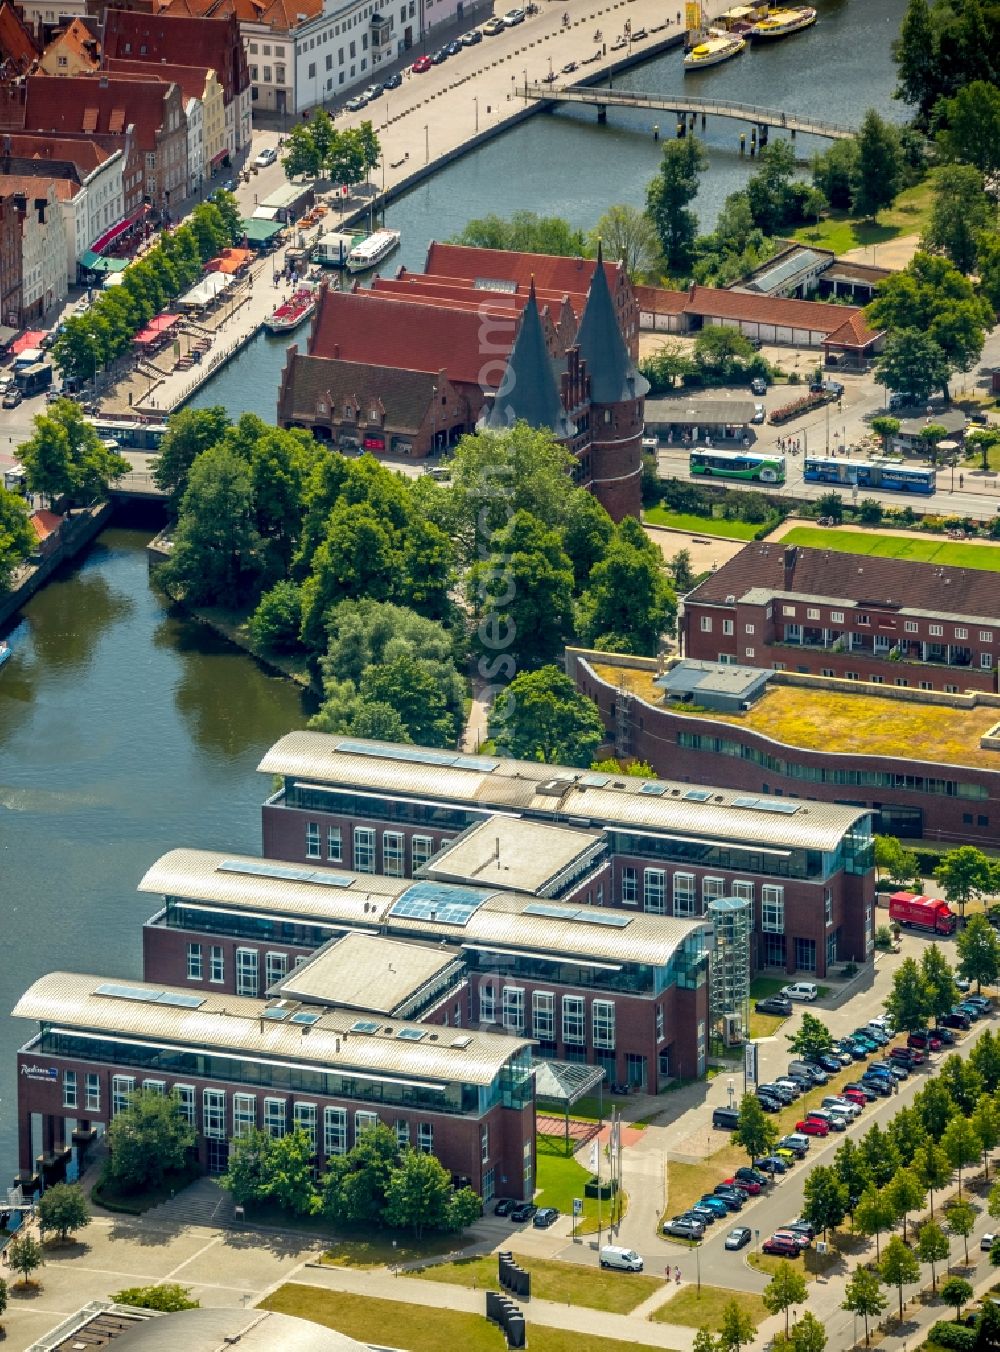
x: 442, y: 903
x: 274, y: 1014
x: 416, y: 755
x: 589, y: 916
x: 126, y: 992
x: 306, y: 1017
x: 698, y: 795
x: 142, y: 995
x: 781, y: 805
x: 593, y: 781
x: 364, y: 1026
x: 654, y: 789
x: 263, y: 868
x: 411, y: 1034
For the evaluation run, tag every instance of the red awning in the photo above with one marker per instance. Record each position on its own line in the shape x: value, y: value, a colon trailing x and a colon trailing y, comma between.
x: 156, y: 328
x: 109, y: 236
x: 30, y: 338
x: 217, y: 159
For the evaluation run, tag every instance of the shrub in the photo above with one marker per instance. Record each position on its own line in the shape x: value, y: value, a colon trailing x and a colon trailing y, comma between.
x: 883, y: 938
x: 955, y: 1337
x: 784, y: 414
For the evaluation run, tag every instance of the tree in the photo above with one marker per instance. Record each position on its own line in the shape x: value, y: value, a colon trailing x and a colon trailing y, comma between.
x: 786, y: 1288
x: 979, y: 952
x: 147, y: 1140
x: 981, y: 440
x: 852, y: 1171
x: 932, y: 1168
x: 628, y: 592
x: 962, y: 1081
x: 704, y: 1341
x: 873, y: 1214
x: 525, y: 232
x: 908, y: 1001
x: 863, y: 1295
x: 430, y: 712
x: 418, y: 1195
x: 289, y: 1163
x: 274, y: 626
x: 971, y: 133
x: 248, y: 1175
x: 770, y: 190
x: 958, y: 1292
x: 961, y: 1144
x: 722, y: 351
x: 985, y: 1057
x: 755, y: 1132
x: 64, y: 456
x: 986, y: 1124
x: 960, y: 1219
x: 906, y: 1132
x: 834, y: 170
x: 63, y: 1208
x: 899, y: 1267
x: 542, y: 716
x: 906, y: 1194
x: 892, y: 860
x: 879, y: 1156
x: 811, y: 1038
x: 189, y: 432
x: 25, y: 1255
x: 988, y: 1324
x: 932, y: 1247
x: 808, y: 1334
x: 736, y: 1328
x: 17, y: 539
x: 965, y: 874
x: 915, y: 54
x: 681, y: 570
x: 960, y: 212
x: 989, y: 269
x: 878, y: 170
x: 167, y: 1297
x: 825, y: 1198
x: 668, y: 199
x: 912, y: 363
x: 939, y: 981
x: 628, y: 236
x: 668, y: 364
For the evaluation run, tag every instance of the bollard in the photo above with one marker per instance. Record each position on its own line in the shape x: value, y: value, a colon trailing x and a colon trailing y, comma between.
x: 656, y: 131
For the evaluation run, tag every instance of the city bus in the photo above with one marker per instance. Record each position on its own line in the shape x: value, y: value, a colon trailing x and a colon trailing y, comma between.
x: 764, y: 468
x: 906, y: 479
x: 862, y: 474
x: 131, y: 434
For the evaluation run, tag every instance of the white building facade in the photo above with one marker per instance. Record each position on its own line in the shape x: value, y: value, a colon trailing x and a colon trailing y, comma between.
x: 45, y: 280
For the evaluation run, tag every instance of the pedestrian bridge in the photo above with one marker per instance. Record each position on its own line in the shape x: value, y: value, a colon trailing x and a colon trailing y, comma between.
x: 603, y: 97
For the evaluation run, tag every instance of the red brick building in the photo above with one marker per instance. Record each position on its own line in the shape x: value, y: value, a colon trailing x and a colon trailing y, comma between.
x: 828, y: 613
x: 10, y: 261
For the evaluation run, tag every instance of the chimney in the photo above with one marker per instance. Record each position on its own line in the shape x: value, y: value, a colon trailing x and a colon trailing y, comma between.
x: 791, y: 553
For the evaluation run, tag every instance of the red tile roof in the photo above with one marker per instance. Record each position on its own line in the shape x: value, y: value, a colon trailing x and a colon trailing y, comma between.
x: 190, y: 78
x: 45, y: 523
x: 37, y: 185
x: 660, y: 300
x: 462, y: 288
x: 17, y: 46
x: 550, y: 273
x: 854, y: 332
x: 178, y: 39
x: 78, y: 45
x: 88, y: 103
x: 709, y: 302
x: 279, y: 15
x: 86, y: 155
x: 371, y: 328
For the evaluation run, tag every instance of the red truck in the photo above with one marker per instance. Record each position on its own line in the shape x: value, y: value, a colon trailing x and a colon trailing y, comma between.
x: 930, y: 913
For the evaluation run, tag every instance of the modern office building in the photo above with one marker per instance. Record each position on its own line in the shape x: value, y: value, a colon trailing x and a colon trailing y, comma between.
x: 626, y: 992
x: 659, y: 846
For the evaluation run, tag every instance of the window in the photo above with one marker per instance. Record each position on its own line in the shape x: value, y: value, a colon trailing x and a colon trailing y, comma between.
x: 788, y: 610
x: 185, y: 1099
x: 513, y: 1009
x: 981, y: 820
x: 827, y: 906
x: 827, y: 671
x: 154, y: 1086
x: 706, y: 624
x: 425, y: 1138
x: 364, y: 850
x: 93, y: 1099
x: 936, y: 630
x: 911, y: 626
x: 392, y: 854
x: 961, y: 633
x: 654, y: 890
x: 742, y: 888
x: 421, y: 849
x: 213, y: 1107
x: 602, y: 1014
x: 573, y: 1030
x: 69, y: 1089
x: 986, y: 661
x: 335, y: 844
x: 304, y: 1119
x: 926, y: 685
x: 218, y: 963
x: 986, y: 636
x: 812, y: 613
x: 748, y: 652
x: 630, y: 885
x: 901, y: 680
x: 312, y: 840
x: 121, y: 1087
x: 275, y: 968
x: 836, y: 617
x: 244, y: 1114
x: 275, y: 1116
x: 863, y: 620
x: 195, y: 967
x: 748, y: 629
x: 402, y: 1133
x: 543, y: 1015
x: 335, y: 1131
x: 727, y: 627
x: 805, y: 955
x: 712, y: 889
x: 487, y: 1003
x: 774, y: 950
x: 684, y: 894
x: 247, y: 980
x: 659, y: 1022
x: 772, y: 909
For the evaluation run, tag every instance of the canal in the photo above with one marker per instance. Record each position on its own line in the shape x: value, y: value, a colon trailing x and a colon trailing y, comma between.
x: 126, y: 730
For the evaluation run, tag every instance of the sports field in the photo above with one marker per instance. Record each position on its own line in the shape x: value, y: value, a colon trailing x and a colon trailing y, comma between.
x: 955, y: 553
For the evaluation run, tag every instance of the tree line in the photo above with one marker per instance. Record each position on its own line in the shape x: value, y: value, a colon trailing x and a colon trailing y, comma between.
x: 317, y: 149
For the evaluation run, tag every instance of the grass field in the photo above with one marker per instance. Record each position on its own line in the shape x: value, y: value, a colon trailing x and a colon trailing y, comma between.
x: 704, y: 1309
x: 841, y: 232
x: 560, y: 1179
x: 419, y: 1328
x: 372, y: 1251
x: 813, y: 1264
x: 914, y: 548
x: 702, y: 525
x: 568, y: 1283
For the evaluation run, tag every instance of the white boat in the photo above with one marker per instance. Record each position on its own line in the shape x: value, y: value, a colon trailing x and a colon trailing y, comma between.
x: 779, y: 23
x: 370, y: 252
x: 714, y: 48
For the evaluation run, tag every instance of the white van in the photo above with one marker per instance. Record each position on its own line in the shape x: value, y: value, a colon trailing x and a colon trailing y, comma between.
x: 801, y: 990
x: 614, y: 1256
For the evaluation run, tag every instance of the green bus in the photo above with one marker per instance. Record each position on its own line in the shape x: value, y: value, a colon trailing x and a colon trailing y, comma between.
x: 768, y: 469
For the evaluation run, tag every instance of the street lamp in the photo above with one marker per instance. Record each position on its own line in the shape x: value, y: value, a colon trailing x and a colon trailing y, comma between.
x: 476, y: 102
x: 427, y: 143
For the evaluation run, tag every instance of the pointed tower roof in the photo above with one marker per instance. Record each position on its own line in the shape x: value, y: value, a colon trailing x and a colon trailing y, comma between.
x: 528, y: 391
x: 614, y: 377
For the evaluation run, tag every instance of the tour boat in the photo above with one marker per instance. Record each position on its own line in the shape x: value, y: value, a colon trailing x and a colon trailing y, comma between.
x: 714, y: 48
x: 779, y: 23
x: 370, y: 252
x: 291, y: 313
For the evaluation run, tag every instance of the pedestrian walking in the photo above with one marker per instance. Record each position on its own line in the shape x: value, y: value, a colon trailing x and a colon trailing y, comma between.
x: 961, y: 481
x: 677, y: 1275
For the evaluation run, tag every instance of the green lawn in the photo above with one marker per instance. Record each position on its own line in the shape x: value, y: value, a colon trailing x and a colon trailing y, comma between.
x: 702, y: 525
x: 420, y: 1328
x: 915, y: 548
x: 590, y: 1108
x: 841, y: 232
x: 762, y: 986
x: 568, y: 1283
x: 377, y: 1250
x: 559, y: 1179
x: 704, y: 1309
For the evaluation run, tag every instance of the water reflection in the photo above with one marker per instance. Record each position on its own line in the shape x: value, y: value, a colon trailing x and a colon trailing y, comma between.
x: 68, y: 622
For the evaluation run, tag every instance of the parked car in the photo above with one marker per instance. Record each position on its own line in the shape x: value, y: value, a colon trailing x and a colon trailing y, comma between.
x: 684, y: 1229
x: 835, y: 1121
x: 769, y: 1102
x: 786, y: 1093
x: 880, y: 1084
x: 947, y: 1036
x: 813, y: 1126
x: 814, y: 1073
x: 828, y: 1062
x: 492, y: 27
x: 956, y: 1019
x: 733, y: 1198
x: 840, y: 1103
x: 754, y: 1175
x: 787, y: 1154
x: 470, y: 38
x: 726, y: 1118
x: 797, y: 1142
x: 791, y: 1085
x: 983, y: 1001
x: 513, y: 17
x: 910, y: 1056
x: 544, y: 1217
x: 759, y: 413
x: 267, y: 156
x: 771, y: 1164
x: 504, y: 1207
x: 986, y: 1243
x: 748, y: 1185
x: 440, y: 56
x: 927, y: 1040
x: 798, y: 1237
x: 859, y: 1092
x: 738, y: 1238
x: 800, y: 1223
x: 453, y: 48
x: 702, y: 1213
x: 800, y: 990
x: 523, y: 1211
x: 758, y: 385
x: 844, y: 1057
x: 973, y: 1011
x: 716, y: 1204
x: 782, y: 1246
x: 625, y: 1260
x: 882, y: 1021
x: 422, y: 64
x: 774, y: 1004
x: 877, y: 1035
x: 852, y: 1049
x: 394, y: 80
x: 12, y: 397
x: 358, y: 102
x: 897, y: 1069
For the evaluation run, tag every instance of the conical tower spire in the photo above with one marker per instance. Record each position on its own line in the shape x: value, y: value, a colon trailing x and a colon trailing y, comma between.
x: 613, y: 375
x: 528, y: 391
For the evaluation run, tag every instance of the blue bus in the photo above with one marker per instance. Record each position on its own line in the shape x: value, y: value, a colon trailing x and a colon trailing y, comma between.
x: 863, y: 474
x: 131, y: 434
x: 904, y: 479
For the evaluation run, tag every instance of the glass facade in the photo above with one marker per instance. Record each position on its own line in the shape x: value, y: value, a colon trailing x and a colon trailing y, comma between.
x: 345, y: 803
x: 242, y: 925
x: 685, y: 968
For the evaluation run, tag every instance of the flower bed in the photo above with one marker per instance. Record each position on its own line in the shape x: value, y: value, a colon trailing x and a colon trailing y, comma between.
x: 784, y: 414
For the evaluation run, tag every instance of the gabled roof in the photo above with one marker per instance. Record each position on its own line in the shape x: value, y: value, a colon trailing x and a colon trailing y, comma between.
x: 710, y: 302
x: 192, y: 79
x: 78, y: 45
x: 279, y: 15
x: 550, y: 273
x: 87, y: 103
x: 614, y: 377
x: 528, y: 391
x: 17, y: 46
x: 404, y: 396
x: 177, y: 39
x: 854, y: 332
x: 37, y: 185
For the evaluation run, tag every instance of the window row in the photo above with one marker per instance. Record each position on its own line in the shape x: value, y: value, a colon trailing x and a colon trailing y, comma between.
x: 684, y: 888
x: 364, y: 843
x: 247, y: 967
x: 543, y: 1015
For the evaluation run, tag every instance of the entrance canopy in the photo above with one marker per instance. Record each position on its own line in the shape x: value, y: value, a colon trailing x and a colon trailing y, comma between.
x: 565, y: 1082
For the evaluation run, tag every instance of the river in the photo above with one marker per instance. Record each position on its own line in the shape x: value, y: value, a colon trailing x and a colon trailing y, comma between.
x: 126, y: 730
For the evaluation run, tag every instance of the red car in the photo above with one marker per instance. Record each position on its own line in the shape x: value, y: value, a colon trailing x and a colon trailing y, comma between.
x: 926, y: 1041
x: 421, y: 64
x: 856, y: 1096
x: 813, y: 1126
x: 745, y: 1185
x: 782, y: 1246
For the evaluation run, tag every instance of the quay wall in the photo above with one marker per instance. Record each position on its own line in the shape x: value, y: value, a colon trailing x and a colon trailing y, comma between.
x: 76, y: 534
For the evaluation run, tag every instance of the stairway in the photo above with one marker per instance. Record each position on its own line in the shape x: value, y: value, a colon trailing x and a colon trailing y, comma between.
x: 204, y: 1202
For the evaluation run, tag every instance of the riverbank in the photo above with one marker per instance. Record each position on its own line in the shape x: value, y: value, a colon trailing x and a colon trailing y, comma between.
x: 76, y: 534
